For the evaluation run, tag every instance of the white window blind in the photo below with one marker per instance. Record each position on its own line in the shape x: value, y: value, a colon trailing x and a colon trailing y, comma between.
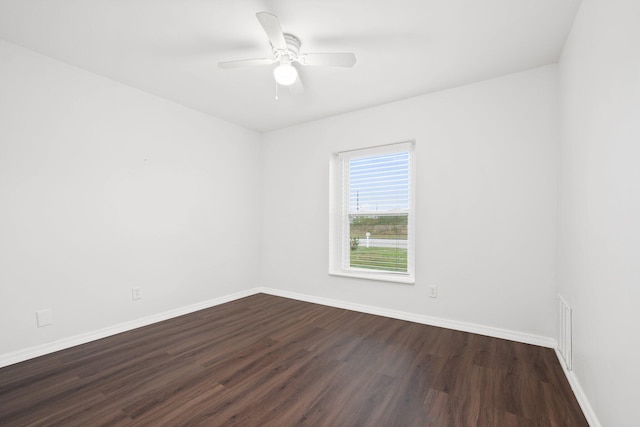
x: 376, y: 216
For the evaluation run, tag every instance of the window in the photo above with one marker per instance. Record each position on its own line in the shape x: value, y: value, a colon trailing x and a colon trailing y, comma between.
x: 372, y: 213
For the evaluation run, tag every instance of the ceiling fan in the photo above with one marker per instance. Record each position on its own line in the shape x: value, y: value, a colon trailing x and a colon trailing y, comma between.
x: 286, y: 52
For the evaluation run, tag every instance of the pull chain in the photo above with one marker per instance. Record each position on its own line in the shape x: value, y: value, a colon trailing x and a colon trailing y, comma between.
x: 276, y: 90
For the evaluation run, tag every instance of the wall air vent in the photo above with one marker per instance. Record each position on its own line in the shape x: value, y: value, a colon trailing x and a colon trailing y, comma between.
x: 564, y: 331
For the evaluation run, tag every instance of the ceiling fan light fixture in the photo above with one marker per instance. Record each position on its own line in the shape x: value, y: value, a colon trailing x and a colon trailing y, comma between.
x: 285, y: 74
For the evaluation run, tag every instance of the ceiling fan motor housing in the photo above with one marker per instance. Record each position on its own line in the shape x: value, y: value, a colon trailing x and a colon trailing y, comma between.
x: 293, y: 47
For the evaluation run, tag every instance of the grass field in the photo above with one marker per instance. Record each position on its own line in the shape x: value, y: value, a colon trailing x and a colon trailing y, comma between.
x: 390, y: 259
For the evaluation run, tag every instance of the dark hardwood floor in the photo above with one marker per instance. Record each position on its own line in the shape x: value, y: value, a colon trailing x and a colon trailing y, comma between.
x: 270, y: 361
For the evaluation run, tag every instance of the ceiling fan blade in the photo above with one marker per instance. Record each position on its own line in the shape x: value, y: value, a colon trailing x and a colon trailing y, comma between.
x: 328, y: 59
x: 271, y: 26
x: 297, y: 87
x: 245, y: 63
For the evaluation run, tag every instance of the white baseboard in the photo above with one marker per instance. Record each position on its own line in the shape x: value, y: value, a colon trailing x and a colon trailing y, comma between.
x: 586, y: 407
x: 419, y: 318
x: 41, y: 350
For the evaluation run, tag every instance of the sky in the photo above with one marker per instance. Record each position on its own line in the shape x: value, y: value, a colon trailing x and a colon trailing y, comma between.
x: 379, y: 183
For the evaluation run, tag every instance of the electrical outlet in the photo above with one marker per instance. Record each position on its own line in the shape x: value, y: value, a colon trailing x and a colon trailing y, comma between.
x: 433, y: 291
x: 44, y: 317
x: 135, y: 293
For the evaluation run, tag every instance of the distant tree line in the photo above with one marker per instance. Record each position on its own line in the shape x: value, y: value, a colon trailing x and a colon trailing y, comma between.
x: 380, y: 227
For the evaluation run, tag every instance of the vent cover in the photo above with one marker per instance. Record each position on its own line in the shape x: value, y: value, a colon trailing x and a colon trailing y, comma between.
x: 564, y: 331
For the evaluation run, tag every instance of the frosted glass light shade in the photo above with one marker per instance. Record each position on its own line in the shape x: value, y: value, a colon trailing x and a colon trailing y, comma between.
x: 285, y: 74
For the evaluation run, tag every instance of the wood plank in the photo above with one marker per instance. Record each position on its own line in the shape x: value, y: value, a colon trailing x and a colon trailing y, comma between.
x: 270, y: 361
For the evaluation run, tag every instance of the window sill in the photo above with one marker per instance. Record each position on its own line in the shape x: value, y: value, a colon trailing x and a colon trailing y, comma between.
x: 381, y: 277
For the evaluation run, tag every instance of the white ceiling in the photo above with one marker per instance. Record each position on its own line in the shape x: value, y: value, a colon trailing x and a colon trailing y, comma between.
x: 404, y: 48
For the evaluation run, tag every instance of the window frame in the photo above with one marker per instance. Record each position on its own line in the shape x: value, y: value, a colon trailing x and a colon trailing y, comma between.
x: 339, y: 214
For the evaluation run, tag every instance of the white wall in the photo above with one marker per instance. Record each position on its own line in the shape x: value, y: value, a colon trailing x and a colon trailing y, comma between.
x: 103, y: 188
x: 486, y: 200
x: 599, y: 221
